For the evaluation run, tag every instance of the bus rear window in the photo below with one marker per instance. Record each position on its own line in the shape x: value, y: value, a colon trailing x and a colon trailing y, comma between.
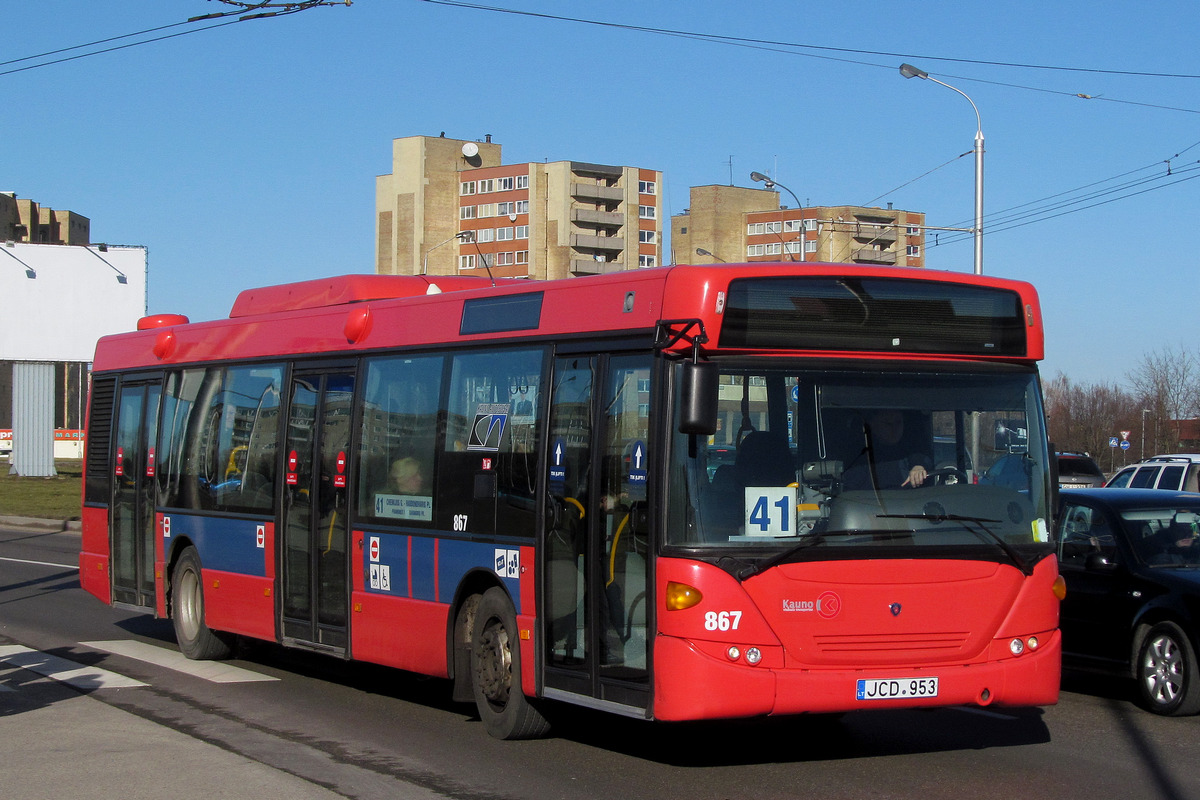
x: 879, y: 314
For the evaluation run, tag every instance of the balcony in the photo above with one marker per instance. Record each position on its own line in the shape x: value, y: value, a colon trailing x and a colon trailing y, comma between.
x: 869, y: 255
x: 593, y: 193
x: 611, y: 244
x: 587, y: 266
x: 599, y: 219
x: 882, y: 234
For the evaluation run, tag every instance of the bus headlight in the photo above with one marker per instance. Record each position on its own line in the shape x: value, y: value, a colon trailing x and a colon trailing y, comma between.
x: 753, y: 656
x: 1016, y: 647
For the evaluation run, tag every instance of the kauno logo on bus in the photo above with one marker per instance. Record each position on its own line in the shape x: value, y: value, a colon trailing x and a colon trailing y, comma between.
x: 828, y: 605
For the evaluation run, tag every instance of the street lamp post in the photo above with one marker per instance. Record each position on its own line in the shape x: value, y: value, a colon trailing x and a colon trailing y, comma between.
x: 461, y: 236
x: 766, y: 181
x: 1145, y: 411
x: 700, y: 251
x: 909, y: 71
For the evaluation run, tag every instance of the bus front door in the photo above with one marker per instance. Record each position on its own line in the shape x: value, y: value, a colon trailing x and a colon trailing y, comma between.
x: 314, y: 548
x: 595, y: 548
x: 132, y: 510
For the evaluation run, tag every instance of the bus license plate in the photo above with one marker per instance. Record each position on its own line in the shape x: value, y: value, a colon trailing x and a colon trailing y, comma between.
x: 898, y: 688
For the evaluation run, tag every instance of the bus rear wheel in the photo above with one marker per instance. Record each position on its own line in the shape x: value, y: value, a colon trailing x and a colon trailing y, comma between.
x: 496, y: 672
x: 196, y: 640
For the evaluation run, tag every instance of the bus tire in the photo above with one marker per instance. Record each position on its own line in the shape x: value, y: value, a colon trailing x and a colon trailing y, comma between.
x: 496, y: 672
x: 196, y: 640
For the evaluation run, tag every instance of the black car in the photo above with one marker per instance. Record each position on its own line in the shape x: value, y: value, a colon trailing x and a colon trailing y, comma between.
x: 1131, y: 561
x: 1078, y: 471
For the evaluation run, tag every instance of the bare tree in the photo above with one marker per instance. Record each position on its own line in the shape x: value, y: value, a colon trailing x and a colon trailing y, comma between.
x: 1083, y: 418
x: 1167, y: 385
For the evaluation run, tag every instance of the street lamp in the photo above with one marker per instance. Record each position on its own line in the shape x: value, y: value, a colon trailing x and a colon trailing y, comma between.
x: 909, y: 71
x: 700, y: 251
x: 461, y: 236
x: 766, y: 181
x: 1145, y: 411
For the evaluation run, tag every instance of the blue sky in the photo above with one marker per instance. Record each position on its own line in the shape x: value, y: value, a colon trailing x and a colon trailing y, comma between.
x: 246, y: 155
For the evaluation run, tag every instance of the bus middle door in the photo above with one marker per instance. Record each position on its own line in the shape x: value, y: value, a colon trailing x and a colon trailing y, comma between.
x: 315, y: 543
x: 133, y: 498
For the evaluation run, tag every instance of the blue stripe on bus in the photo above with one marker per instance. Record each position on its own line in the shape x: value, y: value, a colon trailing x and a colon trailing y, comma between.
x: 224, y: 543
x: 454, y: 559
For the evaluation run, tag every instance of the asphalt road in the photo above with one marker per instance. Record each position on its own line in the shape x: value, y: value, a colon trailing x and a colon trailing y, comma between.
x: 310, y: 726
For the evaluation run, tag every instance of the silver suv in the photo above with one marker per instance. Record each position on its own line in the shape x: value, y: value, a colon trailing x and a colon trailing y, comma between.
x: 1179, y: 472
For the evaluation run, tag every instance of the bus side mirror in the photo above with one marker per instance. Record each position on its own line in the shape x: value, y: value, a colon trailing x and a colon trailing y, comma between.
x: 698, y: 398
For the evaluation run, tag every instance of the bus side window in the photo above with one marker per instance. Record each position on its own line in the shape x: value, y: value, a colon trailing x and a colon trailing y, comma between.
x: 397, y: 451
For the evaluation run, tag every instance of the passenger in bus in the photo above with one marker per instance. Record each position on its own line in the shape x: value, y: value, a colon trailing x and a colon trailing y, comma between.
x: 406, y: 477
x: 889, y: 459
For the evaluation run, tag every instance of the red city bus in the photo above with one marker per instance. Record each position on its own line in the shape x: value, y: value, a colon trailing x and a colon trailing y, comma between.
x: 675, y: 494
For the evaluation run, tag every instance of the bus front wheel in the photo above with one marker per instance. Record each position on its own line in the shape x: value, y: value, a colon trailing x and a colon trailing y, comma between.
x: 496, y: 672
x: 196, y: 640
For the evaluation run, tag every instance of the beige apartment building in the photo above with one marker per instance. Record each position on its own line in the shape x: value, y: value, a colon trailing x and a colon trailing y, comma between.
x: 731, y: 224
x: 24, y: 220
x: 452, y: 207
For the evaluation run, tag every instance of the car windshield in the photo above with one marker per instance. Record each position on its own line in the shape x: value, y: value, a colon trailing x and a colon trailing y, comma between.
x: 1165, y: 536
x: 906, y: 460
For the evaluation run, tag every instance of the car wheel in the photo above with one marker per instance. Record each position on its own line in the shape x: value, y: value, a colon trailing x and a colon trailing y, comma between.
x: 196, y: 640
x: 496, y: 672
x: 1167, y: 675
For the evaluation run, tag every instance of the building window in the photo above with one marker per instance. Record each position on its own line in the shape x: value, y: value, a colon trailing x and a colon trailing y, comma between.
x: 810, y: 224
x: 793, y: 247
x: 756, y: 228
x: 487, y: 210
x: 647, y: 261
x: 810, y: 247
x: 774, y: 227
x: 522, y: 256
x: 466, y: 187
x: 522, y: 232
x: 647, y: 212
x: 486, y: 234
x: 793, y: 225
x: 504, y: 209
x: 755, y: 250
x: 466, y: 212
x: 522, y: 206
x: 647, y: 187
x: 504, y: 234
x: 648, y: 237
x: 466, y: 262
x: 488, y: 185
x: 505, y: 259
x: 774, y: 248
x: 913, y: 251
x: 522, y: 181
x: 913, y: 230
x: 504, y: 184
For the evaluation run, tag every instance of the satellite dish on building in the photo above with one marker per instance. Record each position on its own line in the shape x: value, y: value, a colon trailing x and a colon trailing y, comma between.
x: 470, y: 149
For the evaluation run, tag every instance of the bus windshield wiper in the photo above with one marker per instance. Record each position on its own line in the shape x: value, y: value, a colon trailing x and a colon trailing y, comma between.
x: 788, y: 554
x: 976, y: 525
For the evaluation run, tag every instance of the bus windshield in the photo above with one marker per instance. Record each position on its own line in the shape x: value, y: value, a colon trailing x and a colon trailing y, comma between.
x: 910, y: 462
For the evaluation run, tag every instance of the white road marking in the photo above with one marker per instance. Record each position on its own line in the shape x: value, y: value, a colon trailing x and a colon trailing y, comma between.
x: 64, y: 671
x: 215, y: 671
x: 40, y: 563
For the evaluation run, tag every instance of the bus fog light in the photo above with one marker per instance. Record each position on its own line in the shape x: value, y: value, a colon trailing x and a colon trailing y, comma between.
x: 753, y: 655
x: 1016, y: 646
x: 734, y: 653
x: 1032, y: 642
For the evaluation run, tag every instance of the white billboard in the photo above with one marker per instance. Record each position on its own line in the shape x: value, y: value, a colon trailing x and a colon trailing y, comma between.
x: 57, y: 300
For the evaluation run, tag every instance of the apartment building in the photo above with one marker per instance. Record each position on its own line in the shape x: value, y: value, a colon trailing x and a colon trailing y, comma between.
x: 733, y: 224
x: 23, y: 220
x: 452, y: 207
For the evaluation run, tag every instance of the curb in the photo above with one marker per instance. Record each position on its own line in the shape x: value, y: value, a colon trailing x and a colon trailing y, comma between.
x: 47, y: 525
